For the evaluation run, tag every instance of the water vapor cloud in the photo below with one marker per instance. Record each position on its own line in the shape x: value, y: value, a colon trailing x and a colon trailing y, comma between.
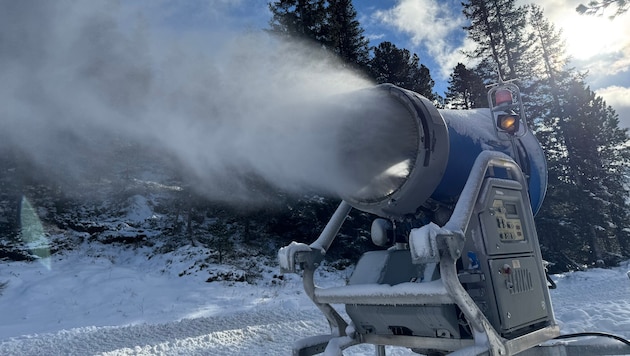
x: 81, y: 78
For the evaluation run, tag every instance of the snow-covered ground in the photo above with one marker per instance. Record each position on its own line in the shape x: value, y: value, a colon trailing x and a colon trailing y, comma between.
x: 125, y: 303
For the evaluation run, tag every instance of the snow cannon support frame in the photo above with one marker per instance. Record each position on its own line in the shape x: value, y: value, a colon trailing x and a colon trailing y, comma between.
x: 468, y: 280
x: 446, y: 291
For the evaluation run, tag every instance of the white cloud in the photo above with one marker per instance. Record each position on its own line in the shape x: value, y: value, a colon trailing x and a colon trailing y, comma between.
x: 619, y: 98
x: 623, y: 63
x: 430, y: 24
x: 424, y: 20
x: 373, y: 37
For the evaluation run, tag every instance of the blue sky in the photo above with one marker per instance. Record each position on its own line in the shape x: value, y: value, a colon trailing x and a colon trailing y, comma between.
x: 433, y: 30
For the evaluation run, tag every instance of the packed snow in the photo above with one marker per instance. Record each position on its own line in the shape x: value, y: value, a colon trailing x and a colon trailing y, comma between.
x: 111, y: 300
x: 122, y: 299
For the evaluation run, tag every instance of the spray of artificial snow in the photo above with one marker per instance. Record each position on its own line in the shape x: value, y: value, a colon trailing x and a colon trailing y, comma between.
x: 85, y: 81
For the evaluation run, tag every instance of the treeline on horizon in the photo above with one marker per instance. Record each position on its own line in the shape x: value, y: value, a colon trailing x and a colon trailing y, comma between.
x: 584, y: 218
x: 583, y: 221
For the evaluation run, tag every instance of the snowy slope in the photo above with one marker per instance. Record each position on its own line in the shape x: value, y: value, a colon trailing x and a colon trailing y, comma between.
x: 132, y: 305
x: 597, y: 299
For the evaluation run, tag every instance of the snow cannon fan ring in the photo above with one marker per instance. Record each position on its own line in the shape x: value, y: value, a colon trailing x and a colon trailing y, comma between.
x: 411, y: 161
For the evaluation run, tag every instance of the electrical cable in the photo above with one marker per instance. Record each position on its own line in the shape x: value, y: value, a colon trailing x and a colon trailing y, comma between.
x: 612, y: 336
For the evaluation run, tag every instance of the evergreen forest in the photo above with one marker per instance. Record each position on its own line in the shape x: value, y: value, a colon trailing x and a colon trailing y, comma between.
x: 584, y: 220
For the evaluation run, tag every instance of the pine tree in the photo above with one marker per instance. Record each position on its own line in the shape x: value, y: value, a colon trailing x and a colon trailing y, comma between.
x: 557, y: 217
x: 331, y: 23
x: 497, y: 27
x: 399, y: 67
x: 549, y: 77
x: 582, y: 218
x: 466, y: 89
x: 582, y: 140
x: 585, y: 214
x: 299, y: 19
x: 599, y: 167
x: 344, y: 34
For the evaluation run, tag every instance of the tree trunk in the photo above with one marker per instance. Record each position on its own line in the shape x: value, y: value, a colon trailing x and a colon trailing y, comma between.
x: 596, y: 246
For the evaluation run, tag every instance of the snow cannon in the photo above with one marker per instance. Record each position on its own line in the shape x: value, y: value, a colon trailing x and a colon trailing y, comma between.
x: 457, y: 267
x: 414, y: 156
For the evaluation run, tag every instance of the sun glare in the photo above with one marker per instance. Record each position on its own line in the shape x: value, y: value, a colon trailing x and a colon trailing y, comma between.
x: 590, y: 36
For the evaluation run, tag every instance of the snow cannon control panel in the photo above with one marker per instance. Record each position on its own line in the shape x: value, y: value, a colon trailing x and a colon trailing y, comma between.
x: 503, y: 270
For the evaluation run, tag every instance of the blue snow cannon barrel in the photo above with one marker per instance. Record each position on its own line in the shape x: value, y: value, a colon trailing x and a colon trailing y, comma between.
x: 471, y: 132
x: 413, y: 152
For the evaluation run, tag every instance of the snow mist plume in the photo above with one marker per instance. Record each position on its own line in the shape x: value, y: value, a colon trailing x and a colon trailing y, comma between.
x: 80, y: 79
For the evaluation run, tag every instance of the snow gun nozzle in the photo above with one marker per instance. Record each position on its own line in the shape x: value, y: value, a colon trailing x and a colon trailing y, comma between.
x: 398, y: 151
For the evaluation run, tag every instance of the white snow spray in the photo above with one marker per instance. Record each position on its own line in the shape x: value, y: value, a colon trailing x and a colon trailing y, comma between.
x: 84, y: 81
